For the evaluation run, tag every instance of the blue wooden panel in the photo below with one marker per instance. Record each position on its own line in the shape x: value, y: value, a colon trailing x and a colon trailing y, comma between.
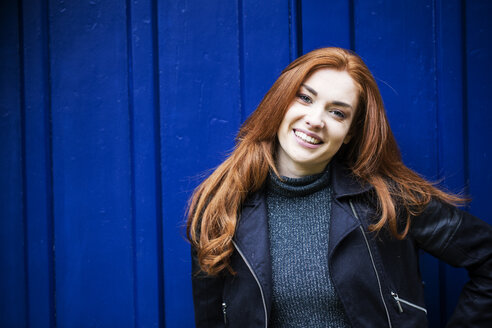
x: 264, y: 51
x: 451, y: 129
x: 38, y: 166
x: 13, y: 302
x: 145, y: 156
x: 200, y: 114
x: 326, y: 24
x: 401, y: 56
x: 479, y: 115
x: 295, y: 27
x: 85, y: 133
x: 91, y: 164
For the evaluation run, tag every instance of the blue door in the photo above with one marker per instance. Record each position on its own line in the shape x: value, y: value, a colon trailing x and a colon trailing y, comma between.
x: 111, y: 112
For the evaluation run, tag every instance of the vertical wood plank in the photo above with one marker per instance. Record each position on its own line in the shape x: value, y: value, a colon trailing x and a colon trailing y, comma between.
x: 295, y: 26
x: 326, y: 24
x: 91, y: 164
x: 479, y: 115
x: 451, y: 128
x: 142, y: 56
x: 12, y: 242
x: 451, y: 134
x: 265, y: 48
x: 401, y: 55
x: 38, y: 193
x: 200, y: 115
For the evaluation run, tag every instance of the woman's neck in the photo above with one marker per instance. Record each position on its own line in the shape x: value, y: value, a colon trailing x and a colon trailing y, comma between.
x: 299, y: 171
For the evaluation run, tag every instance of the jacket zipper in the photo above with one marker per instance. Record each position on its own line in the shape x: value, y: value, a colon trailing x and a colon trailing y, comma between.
x: 373, y: 264
x: 257, y: 281
x: 224, y: 311
x: 398, y: 300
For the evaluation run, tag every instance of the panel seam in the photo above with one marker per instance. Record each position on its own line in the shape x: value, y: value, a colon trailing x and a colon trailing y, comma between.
x: 22, y: 105
x: 351, y: 15
x: 464, y: 79
x: 131, y: 126
x: 240, y: 31
x: 49, y: 166
x: 158, y: 166
x: 441, y: 271
x: 295, y: 29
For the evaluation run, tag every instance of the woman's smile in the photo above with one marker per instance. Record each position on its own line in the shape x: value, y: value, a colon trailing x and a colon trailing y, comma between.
x: 307, y: 139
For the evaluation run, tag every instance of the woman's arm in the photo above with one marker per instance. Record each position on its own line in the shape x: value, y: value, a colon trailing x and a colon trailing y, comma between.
x: 207, y: 296
x: 461, y: 240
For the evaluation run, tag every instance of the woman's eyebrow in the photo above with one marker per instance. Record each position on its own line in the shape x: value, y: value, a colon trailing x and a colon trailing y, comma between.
x: 341, y: 104
x: 308, y: 88
x: 334, y: 103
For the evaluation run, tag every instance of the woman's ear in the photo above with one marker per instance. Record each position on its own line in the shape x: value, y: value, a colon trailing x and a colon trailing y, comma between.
x: 347, y: 139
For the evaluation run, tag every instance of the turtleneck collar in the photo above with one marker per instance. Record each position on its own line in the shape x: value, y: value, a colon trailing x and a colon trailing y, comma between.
x: 296, y: 187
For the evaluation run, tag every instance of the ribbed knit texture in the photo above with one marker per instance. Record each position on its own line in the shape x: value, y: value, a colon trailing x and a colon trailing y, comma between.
x: 299, y: 220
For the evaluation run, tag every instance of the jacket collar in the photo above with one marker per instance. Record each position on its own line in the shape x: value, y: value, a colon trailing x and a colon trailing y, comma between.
x: 343, y: 184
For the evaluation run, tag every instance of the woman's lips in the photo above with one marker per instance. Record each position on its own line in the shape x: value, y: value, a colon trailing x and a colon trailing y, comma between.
x: 307, y: 139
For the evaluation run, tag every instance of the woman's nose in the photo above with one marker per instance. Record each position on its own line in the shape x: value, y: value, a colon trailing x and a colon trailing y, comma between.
x: 314, y: 120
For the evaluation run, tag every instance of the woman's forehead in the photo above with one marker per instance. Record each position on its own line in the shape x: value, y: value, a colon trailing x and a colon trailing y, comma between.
x: 333, y: 85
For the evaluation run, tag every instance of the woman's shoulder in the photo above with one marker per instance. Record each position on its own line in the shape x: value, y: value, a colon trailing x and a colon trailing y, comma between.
x: 441, y: 225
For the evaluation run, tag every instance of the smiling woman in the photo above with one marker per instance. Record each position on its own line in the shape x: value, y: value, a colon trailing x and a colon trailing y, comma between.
x: 316, y: 123
x: 282, y: 232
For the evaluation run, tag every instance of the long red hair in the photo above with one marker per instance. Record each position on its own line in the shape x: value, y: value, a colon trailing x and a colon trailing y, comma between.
x: 372, y: 155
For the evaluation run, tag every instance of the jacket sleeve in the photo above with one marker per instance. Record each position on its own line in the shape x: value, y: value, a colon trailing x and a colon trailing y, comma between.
x: 207, y: 296
x: 461, y: 240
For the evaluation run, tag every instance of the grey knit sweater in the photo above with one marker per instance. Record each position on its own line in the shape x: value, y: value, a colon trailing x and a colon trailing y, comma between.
x: 299, y: 220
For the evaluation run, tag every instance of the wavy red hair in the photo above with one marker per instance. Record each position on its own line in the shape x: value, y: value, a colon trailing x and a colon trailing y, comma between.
x: 372, y: 155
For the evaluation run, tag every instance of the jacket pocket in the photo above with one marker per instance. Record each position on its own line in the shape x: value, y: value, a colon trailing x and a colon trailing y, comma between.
x: 402, y: 303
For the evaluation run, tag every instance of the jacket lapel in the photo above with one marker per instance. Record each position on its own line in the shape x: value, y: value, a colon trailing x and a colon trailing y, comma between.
x: 342, y: 223
x: 344, y: 185
x: 253, y: 239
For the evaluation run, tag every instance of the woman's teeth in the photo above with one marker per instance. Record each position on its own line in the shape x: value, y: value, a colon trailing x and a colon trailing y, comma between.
x: 307, y: 138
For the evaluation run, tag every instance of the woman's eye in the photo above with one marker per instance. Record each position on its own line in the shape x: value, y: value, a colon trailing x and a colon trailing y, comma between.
x: 304, y: 98
x: 338, y: 113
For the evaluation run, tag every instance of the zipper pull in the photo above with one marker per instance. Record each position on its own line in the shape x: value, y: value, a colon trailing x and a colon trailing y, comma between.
x: 397, y: 299
x: 224, y: 311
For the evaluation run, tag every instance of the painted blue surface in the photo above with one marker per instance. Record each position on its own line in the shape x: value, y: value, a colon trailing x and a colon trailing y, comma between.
x: 264, y: 35
x: 92, y: 185
x: 478, y: 56
x: 200, y: 113
x: 326, y: 24
x: 13, y: 289
x: 112, y: 112
x: 37, y: 159
x: 145, y: 162
x: 451, y: 128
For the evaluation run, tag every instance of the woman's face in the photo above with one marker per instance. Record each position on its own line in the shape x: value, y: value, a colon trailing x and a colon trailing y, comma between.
x: 316, y: 123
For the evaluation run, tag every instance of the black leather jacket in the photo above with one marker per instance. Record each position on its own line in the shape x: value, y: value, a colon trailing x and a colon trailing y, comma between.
x: 376, y: 276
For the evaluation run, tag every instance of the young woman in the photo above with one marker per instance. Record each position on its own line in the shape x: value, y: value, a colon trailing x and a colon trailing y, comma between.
x: 314, y: 221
